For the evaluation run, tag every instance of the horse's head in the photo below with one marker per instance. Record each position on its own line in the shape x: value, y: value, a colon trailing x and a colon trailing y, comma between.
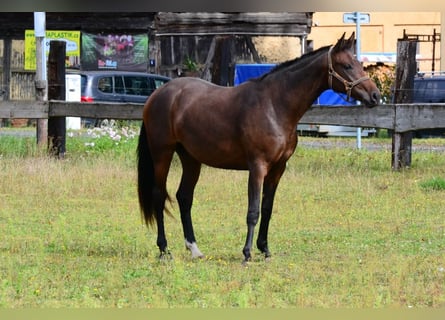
x: 346, y: 73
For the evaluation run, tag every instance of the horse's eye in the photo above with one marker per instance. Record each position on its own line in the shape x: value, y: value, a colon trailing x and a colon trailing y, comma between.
x: 347, y: 67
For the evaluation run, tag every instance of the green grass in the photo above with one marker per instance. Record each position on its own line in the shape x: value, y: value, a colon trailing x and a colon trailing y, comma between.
x: 436, y: 183
x: 346, y: 232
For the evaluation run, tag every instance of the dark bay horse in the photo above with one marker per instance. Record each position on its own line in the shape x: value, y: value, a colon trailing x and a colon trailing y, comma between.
x: 249, y: 127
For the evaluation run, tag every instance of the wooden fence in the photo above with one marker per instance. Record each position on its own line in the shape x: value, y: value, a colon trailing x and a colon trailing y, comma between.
x: 400, y: 118
x: 397, y: 117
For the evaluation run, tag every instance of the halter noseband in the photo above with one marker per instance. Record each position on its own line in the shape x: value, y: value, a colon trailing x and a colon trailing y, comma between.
x: 348, y: 84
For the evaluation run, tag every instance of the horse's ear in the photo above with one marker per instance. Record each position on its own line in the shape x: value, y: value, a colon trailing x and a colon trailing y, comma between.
x: 340, y: 43
x: 351, y: 41
x: 343, y: 44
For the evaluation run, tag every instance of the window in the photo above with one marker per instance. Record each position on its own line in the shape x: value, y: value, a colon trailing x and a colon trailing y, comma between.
x: 105, y: 84
x: 119, y: 85
x: 159, y: 82
x: 137, y: 85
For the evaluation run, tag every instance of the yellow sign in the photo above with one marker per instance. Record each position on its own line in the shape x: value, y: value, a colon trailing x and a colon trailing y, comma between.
x: 72, y: 39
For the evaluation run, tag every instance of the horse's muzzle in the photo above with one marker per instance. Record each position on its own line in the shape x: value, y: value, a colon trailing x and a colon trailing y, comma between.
x: 376, y: 97
x: 373, y: 99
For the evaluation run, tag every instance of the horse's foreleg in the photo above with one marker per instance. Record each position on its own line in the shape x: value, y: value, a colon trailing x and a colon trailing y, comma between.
x: 190, y: 176
x: 269, y: 188
x: 256, y: 177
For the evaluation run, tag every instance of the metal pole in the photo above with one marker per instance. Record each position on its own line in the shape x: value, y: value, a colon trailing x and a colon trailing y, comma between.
x: 433, y: 64
x: 441, y: 42
x: 40, y: 80
x: 357, y: 52
x: 303, y: 43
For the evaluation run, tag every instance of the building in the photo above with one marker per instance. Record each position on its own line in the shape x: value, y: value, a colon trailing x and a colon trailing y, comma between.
x: 379, y: 37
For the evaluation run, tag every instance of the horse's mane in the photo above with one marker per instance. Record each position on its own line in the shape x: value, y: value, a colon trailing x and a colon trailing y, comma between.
x: 294, y: 63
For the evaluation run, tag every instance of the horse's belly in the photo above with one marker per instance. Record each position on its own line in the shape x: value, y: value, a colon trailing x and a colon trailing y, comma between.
x: 219, y: 156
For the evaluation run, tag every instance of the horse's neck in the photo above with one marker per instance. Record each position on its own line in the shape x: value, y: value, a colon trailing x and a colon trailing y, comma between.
x: 301, y: 88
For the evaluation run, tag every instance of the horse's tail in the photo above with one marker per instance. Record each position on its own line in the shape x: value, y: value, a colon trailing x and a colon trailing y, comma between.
x: 146, y: 179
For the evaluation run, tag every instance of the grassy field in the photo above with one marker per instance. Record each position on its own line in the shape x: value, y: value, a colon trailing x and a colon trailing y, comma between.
x: 346, y: 232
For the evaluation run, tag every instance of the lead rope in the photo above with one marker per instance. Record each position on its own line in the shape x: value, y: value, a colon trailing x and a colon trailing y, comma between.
x: 349, y: 85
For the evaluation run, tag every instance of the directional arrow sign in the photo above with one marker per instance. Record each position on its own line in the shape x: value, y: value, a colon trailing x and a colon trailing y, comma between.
x: 352, y: 17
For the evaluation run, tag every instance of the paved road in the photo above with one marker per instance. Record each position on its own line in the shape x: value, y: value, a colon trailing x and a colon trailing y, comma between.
x: 371, y: 145
x: 17, y: 132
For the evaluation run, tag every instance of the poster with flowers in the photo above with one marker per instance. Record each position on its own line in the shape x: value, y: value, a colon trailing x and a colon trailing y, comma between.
x: 114, y: 51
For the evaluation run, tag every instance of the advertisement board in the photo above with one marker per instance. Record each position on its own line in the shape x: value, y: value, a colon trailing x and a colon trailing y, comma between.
x: 126, y: 51
x: 72, y: 39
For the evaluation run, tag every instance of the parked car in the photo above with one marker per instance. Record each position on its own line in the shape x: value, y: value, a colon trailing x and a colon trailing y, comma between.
x: 117, y: 86
x: 429, y: 89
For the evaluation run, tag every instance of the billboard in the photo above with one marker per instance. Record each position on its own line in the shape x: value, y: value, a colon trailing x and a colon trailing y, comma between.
x: 72, y: 39
x: 115, y: 51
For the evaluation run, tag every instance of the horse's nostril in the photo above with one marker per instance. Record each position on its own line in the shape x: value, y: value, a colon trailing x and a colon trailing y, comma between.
x: 376, y: 97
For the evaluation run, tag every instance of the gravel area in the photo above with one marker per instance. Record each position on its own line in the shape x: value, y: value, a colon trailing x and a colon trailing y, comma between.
x: 425, y: 145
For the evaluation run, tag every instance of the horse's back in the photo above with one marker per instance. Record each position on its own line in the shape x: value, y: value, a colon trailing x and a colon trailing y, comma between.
x: 190, y: 99
x: 203, y: 117
x: 181, y: 92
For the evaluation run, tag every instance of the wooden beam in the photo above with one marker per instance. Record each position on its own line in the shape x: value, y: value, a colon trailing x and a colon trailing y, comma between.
x: 205, y: 74
x: 251, y: 46
x: 124, y: 111
x: 225, y: 18
x: 29, y: 109
x: 398, y: 117
x: 417, y: 116
x: 404, y: 84
x: 56, y: 90
x: 256, y: 23
x: 13, y: 24
x: 382, y: 116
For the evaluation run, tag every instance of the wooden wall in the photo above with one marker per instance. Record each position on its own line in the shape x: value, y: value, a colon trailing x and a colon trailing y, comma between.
x: 203, y: 37
x: 217, y: 41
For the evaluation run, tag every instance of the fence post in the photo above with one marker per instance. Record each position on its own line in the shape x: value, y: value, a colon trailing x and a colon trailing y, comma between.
x: 56, y: 91
x: 41, y: 90
x: 403, y: 93
x: 7, y: 48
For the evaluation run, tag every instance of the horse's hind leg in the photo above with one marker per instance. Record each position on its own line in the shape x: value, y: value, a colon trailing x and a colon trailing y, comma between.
x: 160, y: 195
x: 191, y: 169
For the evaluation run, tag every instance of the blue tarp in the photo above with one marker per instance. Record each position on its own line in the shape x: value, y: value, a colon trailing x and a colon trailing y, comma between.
x: 244, y: 72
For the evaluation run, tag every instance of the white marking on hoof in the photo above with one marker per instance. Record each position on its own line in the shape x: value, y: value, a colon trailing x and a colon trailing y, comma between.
x: 193, y: 247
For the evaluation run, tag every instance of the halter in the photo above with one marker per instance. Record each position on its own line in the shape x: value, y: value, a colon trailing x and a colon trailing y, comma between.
x: 348, y: 84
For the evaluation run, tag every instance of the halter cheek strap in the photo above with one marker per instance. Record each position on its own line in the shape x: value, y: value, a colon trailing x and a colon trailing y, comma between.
x: 349, y: 85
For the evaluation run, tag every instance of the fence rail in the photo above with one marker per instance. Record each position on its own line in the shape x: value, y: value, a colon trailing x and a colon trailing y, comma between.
x: 397, y: 117
x: 400, y: 118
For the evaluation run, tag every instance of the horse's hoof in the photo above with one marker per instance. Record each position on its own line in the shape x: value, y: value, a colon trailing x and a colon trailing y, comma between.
x: 193, y: 248
x: 198, y: 257
x: 165, y: 256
